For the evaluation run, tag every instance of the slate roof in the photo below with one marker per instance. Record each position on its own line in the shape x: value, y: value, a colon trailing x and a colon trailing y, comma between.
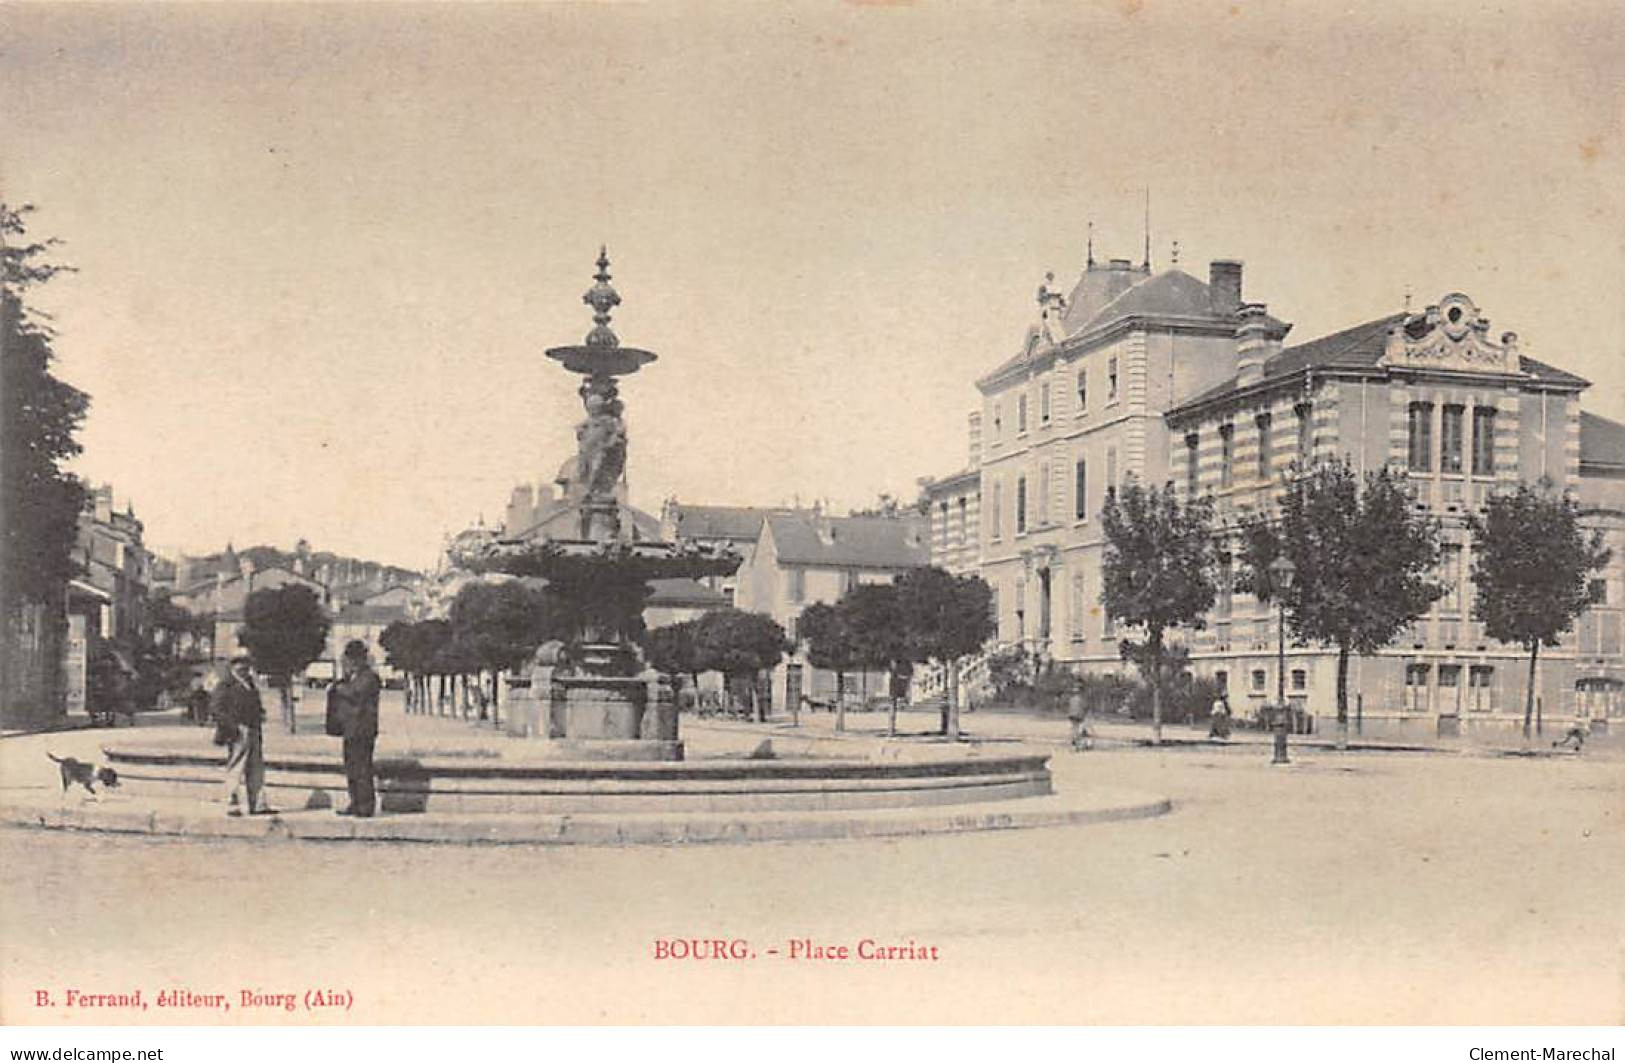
x: 1602, y: 442
x: 854, y: 542
x: 736, y: 523
x: 1106, y: 294
x: 1359, y: 347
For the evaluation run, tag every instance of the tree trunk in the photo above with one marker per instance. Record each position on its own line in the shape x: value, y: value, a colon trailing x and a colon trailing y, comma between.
x: 496, y: 705
x: 1529, y: 696
x: 1153, y: 653
x: 1342, y: 697
x: 951, y: 710
x: 288, y: 720
x: 840, y: 701
x: 891, y: 706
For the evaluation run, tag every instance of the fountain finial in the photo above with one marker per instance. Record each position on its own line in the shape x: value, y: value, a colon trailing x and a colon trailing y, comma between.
x: 602, y: 298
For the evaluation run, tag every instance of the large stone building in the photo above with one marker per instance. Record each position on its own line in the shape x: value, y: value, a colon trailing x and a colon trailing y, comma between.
x: 1166, y: 378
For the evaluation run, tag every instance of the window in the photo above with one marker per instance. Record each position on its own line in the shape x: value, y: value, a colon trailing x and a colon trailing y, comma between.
x: 1080, y: 490
x: 1416, y: 688
x: 964, y: 522
x: 1449, y: 688
x: 1483, y: 441
x: 1041, y: 509
x: 998, y: 509
x: 1481, y: 688
x: 1192, y: 469
x: 1300, y: 679
x: 1450, y: 575
x: 849, y: 579
x: 1419, y: 434
x: 1043, y: 403
x: 1021, y: 504
x: 1021, y: 609
x: 998, y: 419
x: 1083, y: 390
x: 1111, y: 380
x: 1227, y: 583
x: 798, y: 584
x: 1227, y: 454
x: 1306, y: 433
x: 1263, y: 422
x: 1597, y: 592
x: 1259, y: 680
x: 1111, y: 468
x: 1021, y: 414
x: 1077, y: 607
x: 1450, y: 439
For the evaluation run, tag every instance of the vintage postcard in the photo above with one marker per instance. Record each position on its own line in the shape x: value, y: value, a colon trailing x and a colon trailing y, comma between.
x: 813, y: 513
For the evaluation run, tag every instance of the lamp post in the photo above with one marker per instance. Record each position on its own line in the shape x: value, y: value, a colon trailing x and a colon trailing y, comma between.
x: 1281, y: 572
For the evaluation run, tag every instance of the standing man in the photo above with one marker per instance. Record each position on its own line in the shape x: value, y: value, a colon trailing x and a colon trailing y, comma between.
x: 358, y: 696
x: 237, y: 711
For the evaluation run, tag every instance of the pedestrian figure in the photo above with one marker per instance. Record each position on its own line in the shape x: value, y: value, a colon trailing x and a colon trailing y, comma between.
x: 197, y: 702
x: 1219, y: 717
x: 1078, y: 714
x: 357, y: 695
x: 239, y: 717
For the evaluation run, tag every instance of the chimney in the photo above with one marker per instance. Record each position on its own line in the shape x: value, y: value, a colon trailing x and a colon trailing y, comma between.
x: 1224, y: 285
x: 1254, y: 345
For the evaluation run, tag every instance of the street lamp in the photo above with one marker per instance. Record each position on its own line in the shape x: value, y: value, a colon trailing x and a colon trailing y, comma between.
x: 1281, y: 572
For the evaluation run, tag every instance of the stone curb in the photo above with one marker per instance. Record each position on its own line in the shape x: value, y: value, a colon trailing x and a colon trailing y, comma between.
x: 589, y: 829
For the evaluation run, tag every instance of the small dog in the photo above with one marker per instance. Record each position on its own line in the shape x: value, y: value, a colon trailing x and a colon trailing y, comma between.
x: 87, y: 775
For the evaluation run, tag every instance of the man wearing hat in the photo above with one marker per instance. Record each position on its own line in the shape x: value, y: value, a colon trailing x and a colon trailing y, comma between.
x: 357, y: 693
x: 239, y: 716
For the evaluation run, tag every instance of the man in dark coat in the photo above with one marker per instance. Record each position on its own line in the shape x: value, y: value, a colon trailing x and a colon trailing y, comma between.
x: 358, y: 705
x: 238, y: 713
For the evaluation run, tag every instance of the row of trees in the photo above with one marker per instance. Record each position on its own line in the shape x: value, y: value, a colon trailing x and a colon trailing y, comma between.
x: 1364, y: 563
x: 926, y: 616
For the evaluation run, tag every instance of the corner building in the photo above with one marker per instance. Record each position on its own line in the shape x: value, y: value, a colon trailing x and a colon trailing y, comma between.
x: 1171, y: 379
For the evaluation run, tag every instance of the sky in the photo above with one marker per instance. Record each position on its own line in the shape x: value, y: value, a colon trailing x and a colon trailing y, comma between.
x: 321, y: 249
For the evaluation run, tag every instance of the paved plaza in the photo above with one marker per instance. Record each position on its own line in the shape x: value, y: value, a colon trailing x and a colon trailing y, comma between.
x: 1367, y: 887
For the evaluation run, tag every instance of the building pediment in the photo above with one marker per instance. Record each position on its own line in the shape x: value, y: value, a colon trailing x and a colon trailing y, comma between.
x: 1451, y: 335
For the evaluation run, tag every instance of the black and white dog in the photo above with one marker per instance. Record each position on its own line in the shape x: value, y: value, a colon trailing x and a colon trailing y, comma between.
x: 84, y: 774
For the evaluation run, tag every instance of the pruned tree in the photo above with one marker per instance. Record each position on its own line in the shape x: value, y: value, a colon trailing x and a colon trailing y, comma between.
x: 830, y: 646
x: 284, y: 629
x: 672, y: 650
x: 946, y: 618
x: 1532, y: 566
x: 874, y: 618
x: 501, y: 624
x: 1362, y: 559
x: 740, y: 645
x: 1156, y: 573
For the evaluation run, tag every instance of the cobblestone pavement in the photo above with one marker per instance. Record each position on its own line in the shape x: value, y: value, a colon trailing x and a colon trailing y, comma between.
x: 1371, y: 887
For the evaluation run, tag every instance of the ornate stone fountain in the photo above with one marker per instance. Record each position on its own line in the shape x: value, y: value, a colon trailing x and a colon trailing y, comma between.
x: 598, y: 706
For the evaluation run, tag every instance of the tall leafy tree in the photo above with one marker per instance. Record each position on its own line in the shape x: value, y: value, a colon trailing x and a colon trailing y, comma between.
x: 1156, y: 573
x: 284, y: 629
x: 1532, y: 566
x: 946, y: 618
x: 501, y: 624
x: 874, y: 617
x: 830, y: 646
x: 1362, y: 559
x: 39, y: 417
x: 740, y: 645
x: 672, y: 650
